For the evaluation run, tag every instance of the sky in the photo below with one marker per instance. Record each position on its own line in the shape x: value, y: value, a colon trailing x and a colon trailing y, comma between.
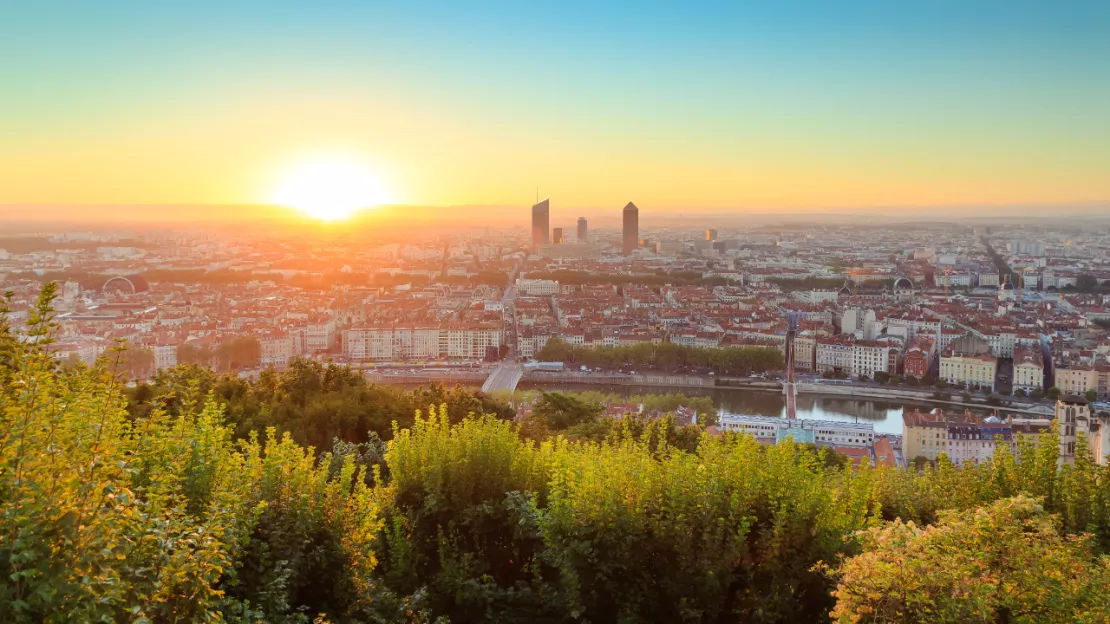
x: 769, y: 106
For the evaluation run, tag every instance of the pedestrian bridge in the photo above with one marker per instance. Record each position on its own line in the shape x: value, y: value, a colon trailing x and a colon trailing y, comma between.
x: 504, y: 376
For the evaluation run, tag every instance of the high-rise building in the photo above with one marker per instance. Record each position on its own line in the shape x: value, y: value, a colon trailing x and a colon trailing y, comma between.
x: 541, y: 222
x: 631, y: 231
x: 557, y: 236
x: 582, y: 231
x: 711, y: 235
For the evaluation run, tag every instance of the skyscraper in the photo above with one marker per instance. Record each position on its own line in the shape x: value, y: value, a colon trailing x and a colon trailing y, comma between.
x: 541, y: 223
x: 557, y: 236
x: 711, y: 235
x: 631, y: 233
x: 582, y: 232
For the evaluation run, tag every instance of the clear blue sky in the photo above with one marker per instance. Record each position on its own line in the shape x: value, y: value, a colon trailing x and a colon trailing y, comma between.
x: 867, y: 103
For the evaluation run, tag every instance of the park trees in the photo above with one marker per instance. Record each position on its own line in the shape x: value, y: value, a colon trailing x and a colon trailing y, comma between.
x: 1005, y: 562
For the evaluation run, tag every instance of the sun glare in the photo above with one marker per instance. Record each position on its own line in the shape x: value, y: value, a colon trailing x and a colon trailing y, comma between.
x: 330, y: 189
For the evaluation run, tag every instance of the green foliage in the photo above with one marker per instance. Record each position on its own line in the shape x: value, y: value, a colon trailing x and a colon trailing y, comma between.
x: 557, y: 411
x: 462, y: 524
x: 108, y: 518
x: 1091, y: 396
x: 234, y: 354
x: 1052, y: 393
x: 315, y: 403
x: 666, y: 356
x: 1003, y: 563
x: 132, y: 362
x: 667, y: 536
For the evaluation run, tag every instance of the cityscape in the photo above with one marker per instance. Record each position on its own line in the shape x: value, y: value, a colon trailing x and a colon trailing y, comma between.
x: 597, y: 312
x: 1001, y: 327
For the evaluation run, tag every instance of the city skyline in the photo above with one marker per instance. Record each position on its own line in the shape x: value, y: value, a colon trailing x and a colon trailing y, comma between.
x: 801, y: 107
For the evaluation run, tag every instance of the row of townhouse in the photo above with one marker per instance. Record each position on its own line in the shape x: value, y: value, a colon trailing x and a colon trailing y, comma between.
x: 419, y: 343
x: 971, y: 438
x: 841, y: 354
x: 1076, y: 378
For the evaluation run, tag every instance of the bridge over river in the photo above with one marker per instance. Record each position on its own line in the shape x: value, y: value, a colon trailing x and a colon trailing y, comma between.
x: 504, y: 376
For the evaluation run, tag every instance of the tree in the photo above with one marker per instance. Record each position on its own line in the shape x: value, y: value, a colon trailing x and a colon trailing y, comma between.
x: 559, y: 411
x: 942, y: 384
x: 1053, y: 393
x: 190, y: 353
x: 863, y: 377
x: 1036, y: 394
x: 554, y: 350
x: 990, y: 564
x: 1020, y: 392
x: 239, y: 352
x: 1086, y: 282
x: 1091, y: 395
x: 132, y: 362
x: 912, y: 381
x: 882, y: 377
x: 965, y: 396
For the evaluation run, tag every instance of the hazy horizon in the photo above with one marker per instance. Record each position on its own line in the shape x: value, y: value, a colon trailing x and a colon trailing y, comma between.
x: 783, y: 108
x: 512, y: 216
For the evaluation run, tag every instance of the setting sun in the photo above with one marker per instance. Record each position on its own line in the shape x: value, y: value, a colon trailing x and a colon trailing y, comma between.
x: 329, y: 189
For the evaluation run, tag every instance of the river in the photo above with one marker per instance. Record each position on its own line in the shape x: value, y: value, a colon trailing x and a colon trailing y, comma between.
x: 884, y: 414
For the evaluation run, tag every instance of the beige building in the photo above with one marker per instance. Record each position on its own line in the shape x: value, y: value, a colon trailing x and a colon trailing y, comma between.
x: 276, y: 349
x: 924, y: 435
x: 1076, y: 379
x: 968, y: 438
x: 1028, y: 369
x: 805, y: 349
x: 974, y: 370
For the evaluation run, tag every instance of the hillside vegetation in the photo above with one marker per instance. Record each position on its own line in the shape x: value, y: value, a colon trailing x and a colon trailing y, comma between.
x: 195, y: 499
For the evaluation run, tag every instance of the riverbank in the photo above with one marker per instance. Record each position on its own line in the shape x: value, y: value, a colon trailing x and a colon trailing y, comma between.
x: 861, y: 391
x: 542, y: 379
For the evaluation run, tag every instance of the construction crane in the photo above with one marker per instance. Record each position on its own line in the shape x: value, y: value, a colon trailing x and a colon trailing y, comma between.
x: 946, y: 272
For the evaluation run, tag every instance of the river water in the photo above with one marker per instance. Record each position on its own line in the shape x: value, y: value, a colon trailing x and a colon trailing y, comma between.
x: 884, y: 414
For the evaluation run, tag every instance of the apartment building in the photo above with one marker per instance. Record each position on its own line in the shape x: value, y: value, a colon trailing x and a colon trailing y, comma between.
x: 834, y: 355
x: 537, y: 287
x: 973, y: 370
x: 1076, y: 378
x: 420, y: 343
x: 870, y: 357
x: 276, y: 349
x: 1028, y: 369
x: 165, y: 356
x: 918, y: 358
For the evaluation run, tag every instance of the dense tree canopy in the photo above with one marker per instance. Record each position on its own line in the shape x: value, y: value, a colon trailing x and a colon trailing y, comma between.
x: 315, y: 403
x: 666, y: 356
